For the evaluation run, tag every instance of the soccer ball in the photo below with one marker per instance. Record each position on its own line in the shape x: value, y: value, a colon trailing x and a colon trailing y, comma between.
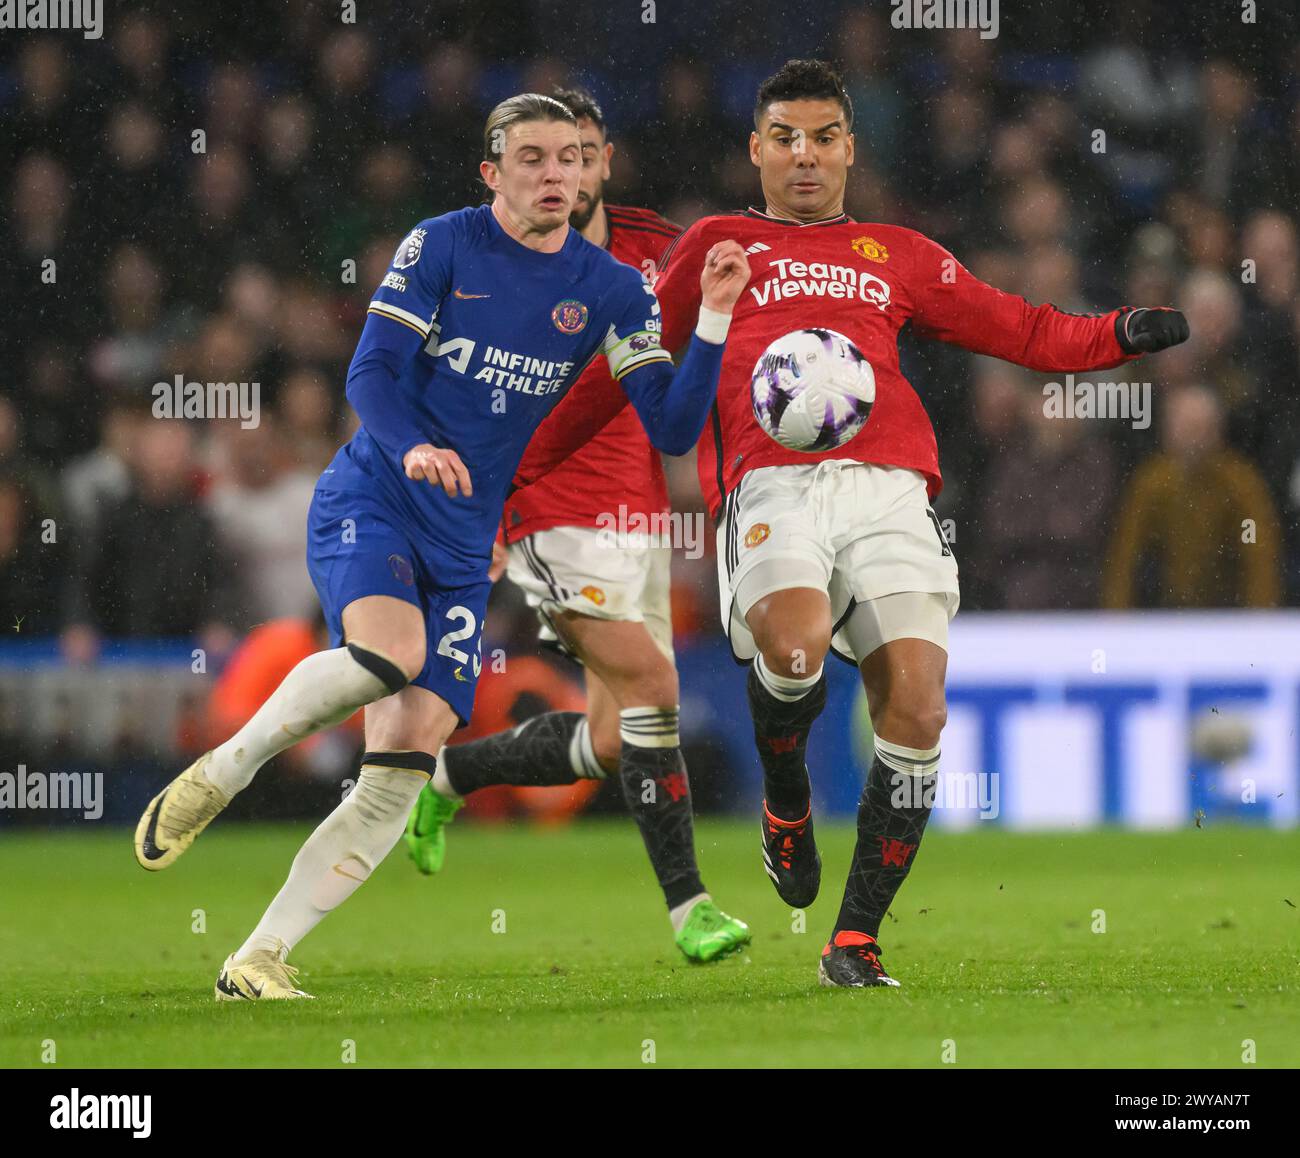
x: 812, y: 390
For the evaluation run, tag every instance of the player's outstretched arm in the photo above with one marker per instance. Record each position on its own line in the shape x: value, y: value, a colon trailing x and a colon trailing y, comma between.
x: 673, y: 406
x: 954, y: 306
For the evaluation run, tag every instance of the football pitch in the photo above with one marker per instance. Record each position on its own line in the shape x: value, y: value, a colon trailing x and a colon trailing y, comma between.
x: 551, y: 948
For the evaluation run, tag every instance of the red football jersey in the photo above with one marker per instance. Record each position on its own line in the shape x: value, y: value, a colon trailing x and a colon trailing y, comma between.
x: 618, y: 466
x: 865, y: 280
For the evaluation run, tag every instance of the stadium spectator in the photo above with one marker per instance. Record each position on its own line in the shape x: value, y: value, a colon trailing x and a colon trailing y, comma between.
x: 259, y: 502
x: 1045, y: 507
x: 134, y: 351
x: 1197, y: 526
x: 308, y: 420
x: 153, y: 570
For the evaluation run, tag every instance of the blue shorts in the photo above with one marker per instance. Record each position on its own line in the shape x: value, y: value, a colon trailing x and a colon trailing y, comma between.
x: 356, y: 547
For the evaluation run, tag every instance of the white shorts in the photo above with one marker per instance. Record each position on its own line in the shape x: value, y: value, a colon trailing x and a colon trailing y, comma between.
x: 579, y: 569
x: 864, y: 534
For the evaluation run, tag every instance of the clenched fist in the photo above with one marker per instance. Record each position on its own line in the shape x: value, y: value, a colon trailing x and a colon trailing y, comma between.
x: 1144, y: 331
x: 438, y: 466
x: 724, y: 277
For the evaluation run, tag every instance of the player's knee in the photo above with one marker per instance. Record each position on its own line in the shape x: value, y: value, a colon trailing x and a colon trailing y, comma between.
x: 655, y: 687
x: 406, y: 655
x: 646, y: 680
x: 795, y: 652
x: 914, y: 720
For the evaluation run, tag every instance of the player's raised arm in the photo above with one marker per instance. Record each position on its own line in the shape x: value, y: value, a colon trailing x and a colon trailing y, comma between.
x: 954, y: 306
x: 398, y: 323
x: 673, y: 405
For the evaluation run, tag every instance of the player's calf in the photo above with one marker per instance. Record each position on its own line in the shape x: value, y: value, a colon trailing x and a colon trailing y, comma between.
x: 653, y: 777
x: 336, y: 860
x: 892, y: 817
x: 787, y: 691
x: 784, y: 709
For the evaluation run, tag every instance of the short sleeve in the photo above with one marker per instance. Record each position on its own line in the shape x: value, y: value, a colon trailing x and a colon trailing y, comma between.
x: 418, y: 278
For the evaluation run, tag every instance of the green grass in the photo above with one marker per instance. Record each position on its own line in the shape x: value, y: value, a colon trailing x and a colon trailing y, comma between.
x: 992, y: 941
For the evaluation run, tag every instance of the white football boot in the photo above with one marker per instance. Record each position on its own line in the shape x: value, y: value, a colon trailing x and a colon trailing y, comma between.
x: 176, y: 816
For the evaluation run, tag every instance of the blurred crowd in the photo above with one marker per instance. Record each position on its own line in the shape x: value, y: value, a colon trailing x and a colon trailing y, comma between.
x: 1127, y: 162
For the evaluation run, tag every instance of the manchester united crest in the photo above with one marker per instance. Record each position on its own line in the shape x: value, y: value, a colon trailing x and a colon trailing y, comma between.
x: 570, y: 316
x: 595, y: 594
x: 871, y: 249
x: 756, y: 534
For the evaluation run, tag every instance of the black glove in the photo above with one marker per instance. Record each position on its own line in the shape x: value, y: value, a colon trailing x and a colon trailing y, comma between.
x: 1145, y: 331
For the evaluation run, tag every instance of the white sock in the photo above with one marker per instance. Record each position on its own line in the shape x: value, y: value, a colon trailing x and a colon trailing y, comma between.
x: 679, y: 914
x: 338, y: 856
x: 323, y: 690
x: 912, y: 761
x: 441, y: 781
x: 582, y: 754
x: 787, y: 688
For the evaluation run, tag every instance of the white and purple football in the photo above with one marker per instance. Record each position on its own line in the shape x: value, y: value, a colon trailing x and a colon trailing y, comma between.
x: 812, y: 390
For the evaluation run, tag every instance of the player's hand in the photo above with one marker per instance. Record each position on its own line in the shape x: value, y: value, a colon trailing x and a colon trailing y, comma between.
x: 1145, y: 331
x: 438, y: 467
x: 500, y: 557
x: 724, y: 277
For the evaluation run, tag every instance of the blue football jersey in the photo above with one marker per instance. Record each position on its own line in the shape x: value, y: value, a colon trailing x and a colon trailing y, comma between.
x: 505, y: 331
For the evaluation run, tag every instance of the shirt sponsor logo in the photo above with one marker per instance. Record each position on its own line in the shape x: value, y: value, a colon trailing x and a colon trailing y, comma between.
x: 756, y: 534
x: 408, y: 253
x: 394, y: 281
x: 871, y: 249
x: 569, y: 316
x: 502, y: 368
x: 822, y: 280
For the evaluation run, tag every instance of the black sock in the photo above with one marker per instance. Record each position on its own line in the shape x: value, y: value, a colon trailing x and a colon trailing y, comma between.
x: 658, y: 794
x: 781, y: 730
x: 891, y: 821
x: 553, y: 748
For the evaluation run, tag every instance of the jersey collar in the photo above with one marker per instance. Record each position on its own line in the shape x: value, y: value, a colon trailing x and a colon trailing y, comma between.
x: 838, y: 219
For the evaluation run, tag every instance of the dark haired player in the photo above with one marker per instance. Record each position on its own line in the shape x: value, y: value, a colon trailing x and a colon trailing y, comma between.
x: 483, y: 320
x: 840, y: 551
x: 606, y: 599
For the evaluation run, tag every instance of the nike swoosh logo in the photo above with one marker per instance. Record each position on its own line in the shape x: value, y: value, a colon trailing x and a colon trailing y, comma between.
x: 229, y: 988
x: 151, y: 850
x: 459, y: 293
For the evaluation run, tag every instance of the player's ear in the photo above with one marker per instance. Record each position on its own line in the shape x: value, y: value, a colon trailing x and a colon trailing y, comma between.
x: 608, y: 152
x: 490, y: 174
x: 848, y: 150
x: 754, y: 144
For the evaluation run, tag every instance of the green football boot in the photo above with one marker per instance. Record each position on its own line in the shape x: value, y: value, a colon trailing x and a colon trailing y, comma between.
x: 426, y: 835
x: 709, y: 934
